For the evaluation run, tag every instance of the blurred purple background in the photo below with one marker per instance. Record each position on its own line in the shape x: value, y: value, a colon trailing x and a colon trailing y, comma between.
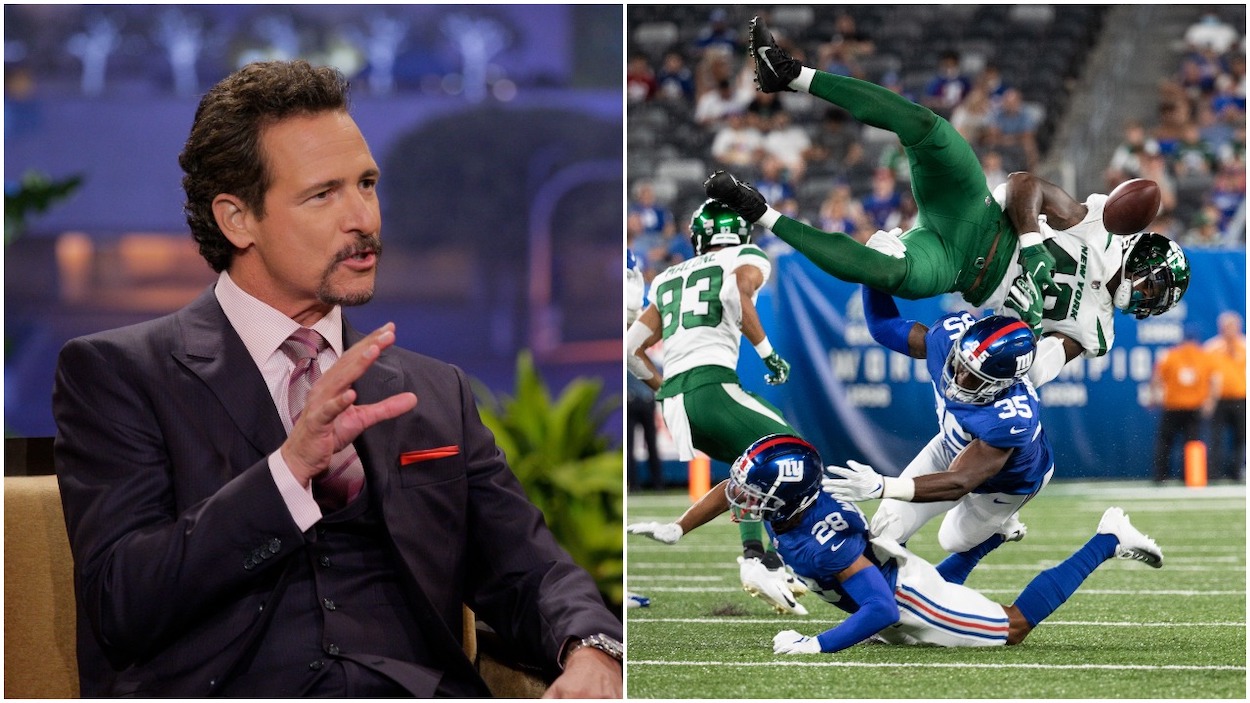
x: 497, y: 128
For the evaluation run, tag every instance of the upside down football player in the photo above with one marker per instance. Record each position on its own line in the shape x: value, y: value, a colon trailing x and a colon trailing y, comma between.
x: 701, y: 309
x: 889, y: 591
x: 1063, y: 274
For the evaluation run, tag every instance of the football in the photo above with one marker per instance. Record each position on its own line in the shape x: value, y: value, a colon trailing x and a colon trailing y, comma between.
x: 1131, y: 207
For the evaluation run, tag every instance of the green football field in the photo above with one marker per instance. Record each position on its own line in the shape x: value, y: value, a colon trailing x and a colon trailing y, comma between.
x: 1130, y: 632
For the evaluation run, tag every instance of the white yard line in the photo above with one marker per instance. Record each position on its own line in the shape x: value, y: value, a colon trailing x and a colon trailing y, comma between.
x: 949, y: 665
x: 637, y: 619
x: 1081, y: 592
x: 1227, y: 564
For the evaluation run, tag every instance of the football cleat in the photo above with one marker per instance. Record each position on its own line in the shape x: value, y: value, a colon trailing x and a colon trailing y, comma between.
x: 739, y: 196
x: 1013, y: 530
x: 796, y: 586
x: 1133, y: 544
x: 768, y: 586
x: 774, y: 68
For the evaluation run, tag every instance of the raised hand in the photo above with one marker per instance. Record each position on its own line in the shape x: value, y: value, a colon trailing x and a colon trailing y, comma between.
x: 330, y: 420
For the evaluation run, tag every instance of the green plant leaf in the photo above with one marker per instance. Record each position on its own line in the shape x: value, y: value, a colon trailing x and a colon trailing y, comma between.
x: 36, y: 193
x: 557, y: 450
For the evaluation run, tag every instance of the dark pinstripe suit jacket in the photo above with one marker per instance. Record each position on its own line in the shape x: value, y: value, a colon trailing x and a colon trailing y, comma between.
x: 163, y: 432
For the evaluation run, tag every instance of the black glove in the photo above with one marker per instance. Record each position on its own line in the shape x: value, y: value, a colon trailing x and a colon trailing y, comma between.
x: 739, y: 196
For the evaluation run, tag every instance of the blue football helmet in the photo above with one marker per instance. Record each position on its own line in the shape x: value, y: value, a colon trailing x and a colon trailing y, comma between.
x: 775, y: 478
x: 989, y: 357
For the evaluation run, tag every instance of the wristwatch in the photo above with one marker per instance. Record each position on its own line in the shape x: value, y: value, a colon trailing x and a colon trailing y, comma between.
x: 608, y: 645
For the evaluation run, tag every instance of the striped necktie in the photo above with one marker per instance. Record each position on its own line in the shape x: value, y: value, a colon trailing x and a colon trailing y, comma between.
x: 346, y: 476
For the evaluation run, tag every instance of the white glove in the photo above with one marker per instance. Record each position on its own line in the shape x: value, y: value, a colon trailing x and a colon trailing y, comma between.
x: 853, y: 482
x: 888, y: 243
x: 666, y: 532
x: 791, y: 642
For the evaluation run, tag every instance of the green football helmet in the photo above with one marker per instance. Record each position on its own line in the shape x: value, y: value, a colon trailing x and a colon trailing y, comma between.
x: 714, y: 224
x: 1153, y: 277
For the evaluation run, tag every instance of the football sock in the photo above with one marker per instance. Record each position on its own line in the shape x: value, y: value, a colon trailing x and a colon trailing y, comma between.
x: 753, y: 549
x: 956, y: 567
x: 803, y: 83
x: 1051, y: 588
x: 771, y: 560
x: 755, y: 543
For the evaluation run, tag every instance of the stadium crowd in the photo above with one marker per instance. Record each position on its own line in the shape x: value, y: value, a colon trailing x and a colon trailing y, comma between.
x: 823, y: 167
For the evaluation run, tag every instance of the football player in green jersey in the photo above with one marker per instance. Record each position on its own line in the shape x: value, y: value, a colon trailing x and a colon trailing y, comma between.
x: 996, y: 249
x: 701, y: 308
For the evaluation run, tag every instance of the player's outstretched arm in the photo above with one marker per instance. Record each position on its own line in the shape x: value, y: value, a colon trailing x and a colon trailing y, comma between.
x: 974, y: 466
x: 888, y: 328
x: 704, y: 510
x: 857, y: 482
x: 865, y: 584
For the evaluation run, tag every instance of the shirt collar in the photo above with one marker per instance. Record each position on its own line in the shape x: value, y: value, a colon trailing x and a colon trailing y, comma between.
x: 262, y: 328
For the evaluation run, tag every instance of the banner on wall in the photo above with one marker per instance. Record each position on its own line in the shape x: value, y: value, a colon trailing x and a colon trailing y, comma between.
x: 857, y: 400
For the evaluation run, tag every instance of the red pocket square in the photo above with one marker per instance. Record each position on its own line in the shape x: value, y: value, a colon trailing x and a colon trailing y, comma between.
x: 427, y: 454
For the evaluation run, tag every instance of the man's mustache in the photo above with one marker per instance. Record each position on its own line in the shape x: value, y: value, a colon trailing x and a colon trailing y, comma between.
x: 364, y: 245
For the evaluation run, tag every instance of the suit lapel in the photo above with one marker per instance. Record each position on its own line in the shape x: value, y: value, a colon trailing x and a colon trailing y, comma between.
x: 213, y: 351
x: 378, y: 449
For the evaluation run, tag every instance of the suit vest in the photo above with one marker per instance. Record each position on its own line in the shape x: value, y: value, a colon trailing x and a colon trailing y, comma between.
x: 342, y: 620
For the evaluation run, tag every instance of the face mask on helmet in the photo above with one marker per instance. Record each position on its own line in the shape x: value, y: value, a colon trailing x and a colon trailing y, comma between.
x: 1153, y: 277
x: 713, y: 224
x: 775, y: 478
x: 988, y: 358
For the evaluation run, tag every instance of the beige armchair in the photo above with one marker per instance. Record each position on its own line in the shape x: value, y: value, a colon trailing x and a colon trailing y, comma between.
x: 40, y: 615
x: 39, y: 611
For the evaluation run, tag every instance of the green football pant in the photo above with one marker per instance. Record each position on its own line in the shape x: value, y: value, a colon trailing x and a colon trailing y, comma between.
x: 953, y: 240
x: 723, y: 419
